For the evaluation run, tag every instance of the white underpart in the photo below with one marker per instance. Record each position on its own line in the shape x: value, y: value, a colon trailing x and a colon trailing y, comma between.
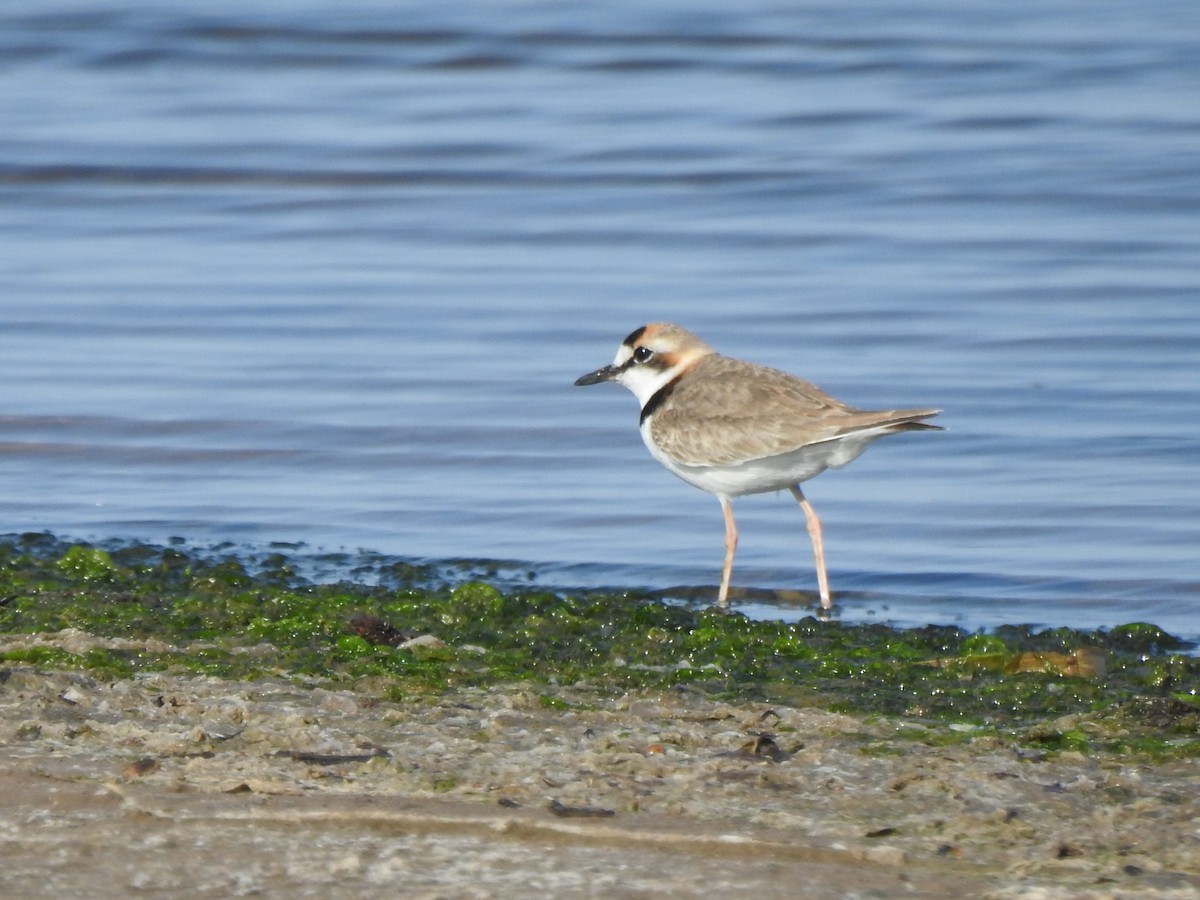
x: 771, y: 473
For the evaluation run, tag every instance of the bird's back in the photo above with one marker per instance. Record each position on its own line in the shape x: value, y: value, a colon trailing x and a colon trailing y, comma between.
x: 726, y: 411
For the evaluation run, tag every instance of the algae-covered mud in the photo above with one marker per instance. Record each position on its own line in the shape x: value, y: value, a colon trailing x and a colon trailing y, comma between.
x: 659, y: 748
x: 166, y: 609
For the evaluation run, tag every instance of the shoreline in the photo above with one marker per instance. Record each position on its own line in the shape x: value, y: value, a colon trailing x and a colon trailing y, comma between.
x: 178, y: 725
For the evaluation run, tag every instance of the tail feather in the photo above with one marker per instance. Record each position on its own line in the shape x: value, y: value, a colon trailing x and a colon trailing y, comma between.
x: 916, y: 424
x: 897, y: 420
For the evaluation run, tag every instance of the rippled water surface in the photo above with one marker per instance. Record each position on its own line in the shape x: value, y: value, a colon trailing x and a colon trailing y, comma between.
x: 275, y: 274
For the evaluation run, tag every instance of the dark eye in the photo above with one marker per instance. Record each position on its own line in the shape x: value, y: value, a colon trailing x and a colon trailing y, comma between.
x: 641, y: 354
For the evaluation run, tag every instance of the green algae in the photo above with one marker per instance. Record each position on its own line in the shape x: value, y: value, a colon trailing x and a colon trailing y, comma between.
x: 245, y: 616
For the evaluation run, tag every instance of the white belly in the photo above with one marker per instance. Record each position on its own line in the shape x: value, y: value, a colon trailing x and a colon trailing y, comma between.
x: 772, y: 473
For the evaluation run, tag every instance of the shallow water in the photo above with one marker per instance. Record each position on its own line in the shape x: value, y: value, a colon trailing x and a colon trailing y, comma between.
x: 276, y: 274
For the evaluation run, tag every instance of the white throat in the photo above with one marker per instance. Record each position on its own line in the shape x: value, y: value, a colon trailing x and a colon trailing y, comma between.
x: 646, y: 381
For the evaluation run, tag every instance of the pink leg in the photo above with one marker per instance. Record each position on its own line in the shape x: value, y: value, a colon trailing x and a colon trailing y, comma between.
x: 814, y: 532
x: 730, y: 546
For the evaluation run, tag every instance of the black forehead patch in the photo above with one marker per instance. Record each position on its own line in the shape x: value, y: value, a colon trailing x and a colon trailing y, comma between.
x: 634, y: 337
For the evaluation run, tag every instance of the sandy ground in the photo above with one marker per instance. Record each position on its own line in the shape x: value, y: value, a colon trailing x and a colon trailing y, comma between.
x: 170, y: 786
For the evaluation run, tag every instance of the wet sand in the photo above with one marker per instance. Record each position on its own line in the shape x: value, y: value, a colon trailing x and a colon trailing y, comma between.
x: 184, y: 786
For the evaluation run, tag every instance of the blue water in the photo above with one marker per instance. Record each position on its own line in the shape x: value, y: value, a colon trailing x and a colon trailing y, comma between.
x: 277, y: 273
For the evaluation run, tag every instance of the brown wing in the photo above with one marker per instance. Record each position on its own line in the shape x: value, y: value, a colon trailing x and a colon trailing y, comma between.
x: 731, y: 418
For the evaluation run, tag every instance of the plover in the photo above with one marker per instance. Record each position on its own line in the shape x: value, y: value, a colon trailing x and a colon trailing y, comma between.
x: 732, y: 428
